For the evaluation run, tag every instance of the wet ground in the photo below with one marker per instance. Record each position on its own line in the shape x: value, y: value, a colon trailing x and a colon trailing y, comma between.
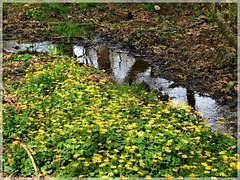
x: 124, y: 65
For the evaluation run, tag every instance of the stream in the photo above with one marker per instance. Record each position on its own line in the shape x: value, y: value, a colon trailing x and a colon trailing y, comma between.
x: 122, y: 65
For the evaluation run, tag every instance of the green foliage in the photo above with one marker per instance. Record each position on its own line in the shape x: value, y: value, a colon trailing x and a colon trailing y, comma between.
x: 55, y: 51
x: 230, y: 86
x: 76, y: 124
x: 169, y: 30
x: 32, y: 13
x: 27, y: 50
x: 72, y: 29
x: 55, y: 7
x: 194, y: 72
x: 4, y: 10
x: 87, y: 5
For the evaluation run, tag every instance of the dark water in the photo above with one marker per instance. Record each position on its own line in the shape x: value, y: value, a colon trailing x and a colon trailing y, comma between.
x: 124, y: 66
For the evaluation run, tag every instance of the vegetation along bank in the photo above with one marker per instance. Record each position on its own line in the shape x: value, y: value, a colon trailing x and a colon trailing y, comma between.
x: 76, y: 122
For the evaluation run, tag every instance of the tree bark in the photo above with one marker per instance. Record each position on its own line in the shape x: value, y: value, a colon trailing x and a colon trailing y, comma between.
x: 225, y: 29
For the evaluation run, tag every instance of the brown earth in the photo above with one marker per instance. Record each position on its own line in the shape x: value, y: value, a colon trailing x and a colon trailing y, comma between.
x: 185, y: 43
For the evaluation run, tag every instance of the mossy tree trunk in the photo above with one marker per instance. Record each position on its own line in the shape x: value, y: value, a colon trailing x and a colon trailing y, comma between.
x: 225, y: 29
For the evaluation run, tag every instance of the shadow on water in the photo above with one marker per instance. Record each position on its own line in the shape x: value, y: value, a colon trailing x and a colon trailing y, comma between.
x: 122, y: 66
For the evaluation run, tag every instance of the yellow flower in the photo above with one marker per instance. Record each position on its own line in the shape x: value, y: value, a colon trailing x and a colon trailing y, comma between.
x: 184, y: 156
x: 15, y: 142
x: 222, y: 174
x: 67, y: 146
x: 169, y: 142
x: 104, y: 176
x: 177, y: 148
x: 63, y: 167
x: 213, y: 177
x: 214, y: 169
x: 131, y: 150
x: 140, y: 134
x: 233, y: 164
x: 204, y: 164
x: 74, y: 165
x: 121, y: 160
x: 222, y: 152
x: 111, y: 174
x: 213, y: 158
x: 192, y: 175
x: 168, y: 176
x: 207, y: 167
x: 116, y: 150
x: 76, y: 155
x: 135, y: 168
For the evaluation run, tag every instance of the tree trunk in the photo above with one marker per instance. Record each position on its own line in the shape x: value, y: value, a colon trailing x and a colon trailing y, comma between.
x: 225, y: 29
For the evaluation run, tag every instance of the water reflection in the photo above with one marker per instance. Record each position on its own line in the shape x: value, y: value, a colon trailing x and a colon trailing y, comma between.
x: 190, y: 97
x: 208, y: 107
x: 14, y: 47
x: 103, y: 59
x: 118, y: 63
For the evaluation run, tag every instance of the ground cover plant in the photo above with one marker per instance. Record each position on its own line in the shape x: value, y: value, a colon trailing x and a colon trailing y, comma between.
x: 76, y: 122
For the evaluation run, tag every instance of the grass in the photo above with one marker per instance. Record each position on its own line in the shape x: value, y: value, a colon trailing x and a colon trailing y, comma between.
x: 72, y: 29
x: 55, y: 51
x: 87, y: 5
x: 55, y: 7
x: 77, y: 123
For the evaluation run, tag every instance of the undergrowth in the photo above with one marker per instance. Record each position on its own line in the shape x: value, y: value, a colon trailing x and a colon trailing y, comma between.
x: 77, y: 123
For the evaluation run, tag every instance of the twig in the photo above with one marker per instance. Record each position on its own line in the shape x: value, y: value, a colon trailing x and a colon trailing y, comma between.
x: 170, y: 7
x: 60, y: 37
x: 110, y: 68
x: 192, y: 25
x: 80, y: 24
x: 88, y: 49
x: 102, y: 25
x: 31, y: 157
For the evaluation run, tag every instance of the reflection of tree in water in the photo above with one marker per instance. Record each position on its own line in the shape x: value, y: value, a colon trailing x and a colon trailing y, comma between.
x: 139, y: 66
x: 103, y: 58
x: 190, y: 98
